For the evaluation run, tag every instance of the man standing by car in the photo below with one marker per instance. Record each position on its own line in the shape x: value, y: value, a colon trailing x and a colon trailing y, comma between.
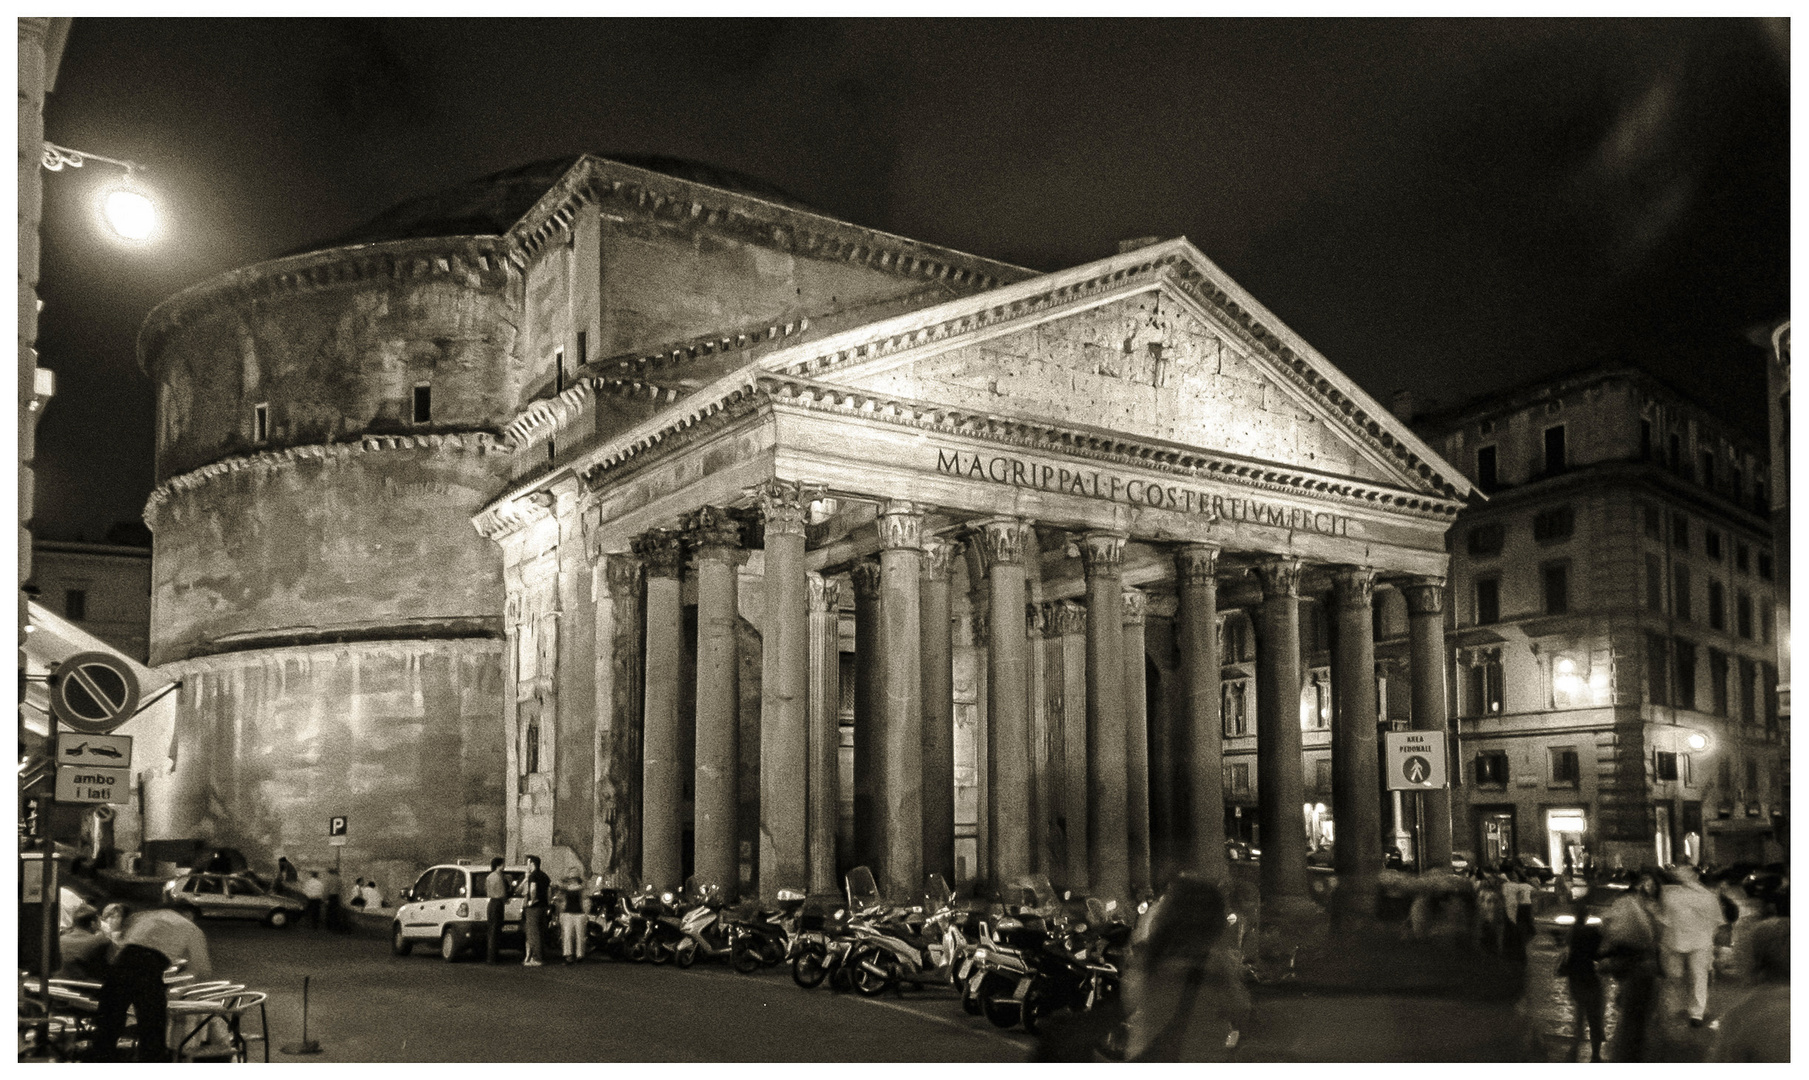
x: 537, y: 894
x: 316, y: 891
x: 496, y: 893
x: 149, y: 942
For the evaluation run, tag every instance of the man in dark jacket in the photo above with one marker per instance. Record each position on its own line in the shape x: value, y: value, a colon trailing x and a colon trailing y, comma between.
x: 496, y: 898
x: 537, y: 893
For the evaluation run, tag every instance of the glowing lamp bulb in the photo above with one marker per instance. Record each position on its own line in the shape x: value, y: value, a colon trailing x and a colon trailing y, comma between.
x: 1697, y: 740
x: 129, y: 213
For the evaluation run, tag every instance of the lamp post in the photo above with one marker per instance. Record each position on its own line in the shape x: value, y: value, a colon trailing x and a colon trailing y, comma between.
x: 126, y: 206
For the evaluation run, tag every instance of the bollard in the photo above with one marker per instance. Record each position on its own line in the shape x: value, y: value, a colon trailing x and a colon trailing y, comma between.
x: 307, y: 1045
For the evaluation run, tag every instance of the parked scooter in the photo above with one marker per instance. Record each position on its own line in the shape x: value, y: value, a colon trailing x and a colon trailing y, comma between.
x: 920, y: 946
x: 705, y: 930
x: 824, y: 958
x: 760, y: 939
x: 660, y: 932
x: 1078, y: 971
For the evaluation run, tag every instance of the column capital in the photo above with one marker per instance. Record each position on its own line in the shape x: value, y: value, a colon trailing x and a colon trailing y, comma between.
x: 1279, y: 577
x: 1136, y: 606
x: 1067, y: 617
x: 1005, y: 540
x: 783, y: 503
x: 1354, y: 587
x: 1197, y: 564
x: 1102, y: 552
x: 1425, y: 596
x: 662, y: 551
x: 939, y: 557
x: 712, y: 533
x: 825, y: 592
x: 621, y: 571
x: 900, y: 526
x: 866, y: 579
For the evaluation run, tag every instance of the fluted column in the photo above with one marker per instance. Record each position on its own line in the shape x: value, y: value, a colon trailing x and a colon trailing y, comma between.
x: 869, y: 718
x: 938, y: 709
x: 900, y: 566
x: 715, y: 540
x: 1108, y: 831
x: 784, y: 691
x: 825, y: 733
x: 1356, y: 769
x: 1426, y: 649
x: 1199, y: 742
x: 1281, y: 786
x: 1136, y: 740
x: 662, y: 785
x: 1068, y: 623
x: 1006, y: 541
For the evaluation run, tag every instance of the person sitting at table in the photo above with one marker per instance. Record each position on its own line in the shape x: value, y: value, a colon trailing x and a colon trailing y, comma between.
x: 84, y: 947
x: 149, y: 942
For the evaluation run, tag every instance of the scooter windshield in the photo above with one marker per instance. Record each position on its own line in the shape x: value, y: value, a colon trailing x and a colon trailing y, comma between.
x: 863, y: 891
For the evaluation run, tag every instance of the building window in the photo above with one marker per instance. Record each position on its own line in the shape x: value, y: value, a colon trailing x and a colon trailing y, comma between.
x: 423, y: 404
x: 1760, y: 504
x: 1233, y: 706
x: 1645, y: 440
x: 1685, y: 655
x: 1749, y: 692
x: 1658, y: 666
x: 1769, y: 688
x: 1564, y: 768
x: 1724, y: 776
x: 1491, y: 769
x: 1717, y: 605
x: 260, y: 422
x: 1654, y: 531
x: 1708, y: 469
x: 1767, y: 618
x: 1574, y: 685
x: 1655, y: 584
x: 1711, y: 543
x: 1315, y: 705
x: 75, y: 605
x: 1487, y: 478
x: 1743, y: 615
x: 1240, y: 781
x: 1322, y: 776
x: 1555, y: 524
x: 1674, y: 457
x: 1665, y: 764
x: 1737, y: 479
x: 1554, y: 450
x: 1485, y: 541
x: 1680, y: 591
x: 1488, y: 600
x: 1718, y: 681
x: 1680, y: 531
x: 1485, y: 689
x: 1742, y: 558
x: 1765, y: 565
x: 1234, y: 643
x: 1556, y: 581
x: 583, y: 348
x: 1752, y: 776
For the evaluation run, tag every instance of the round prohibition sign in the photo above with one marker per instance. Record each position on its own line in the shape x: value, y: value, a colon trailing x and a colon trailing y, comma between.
x: 93, y: 693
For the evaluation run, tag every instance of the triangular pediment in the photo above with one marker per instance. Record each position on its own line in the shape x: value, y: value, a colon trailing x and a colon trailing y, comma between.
x: 1155, y: 345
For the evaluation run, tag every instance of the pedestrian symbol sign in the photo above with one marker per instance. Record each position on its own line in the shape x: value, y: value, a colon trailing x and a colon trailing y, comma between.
x: 1416, y: 759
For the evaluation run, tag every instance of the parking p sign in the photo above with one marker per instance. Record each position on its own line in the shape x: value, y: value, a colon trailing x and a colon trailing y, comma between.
x: 1416, y: 759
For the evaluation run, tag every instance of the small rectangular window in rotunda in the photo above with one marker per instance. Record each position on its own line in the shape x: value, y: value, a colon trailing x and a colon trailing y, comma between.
x: 260, y: 422
x: 423, y: 404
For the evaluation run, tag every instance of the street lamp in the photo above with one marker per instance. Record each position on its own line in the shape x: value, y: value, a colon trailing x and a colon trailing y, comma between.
x: 125, y: 206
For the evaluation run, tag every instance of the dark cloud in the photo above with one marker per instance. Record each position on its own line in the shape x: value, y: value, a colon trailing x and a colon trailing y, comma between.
x: 1446, y: 205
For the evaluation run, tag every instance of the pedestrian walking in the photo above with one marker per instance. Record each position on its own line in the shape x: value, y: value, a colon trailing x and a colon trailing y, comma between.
x: 1184, y: 991
x: 1491, y: 916
x: 314, y: 891
x: 496, y: 898
x: 1757, y: 1026
x: 337, y: 920
x: 536, y: 894
x: 149, y: 942
x: 1517, y: 893
x: 1584, y: 981
x: 1629, y: 955
x: 571, y: 917
x: 1690, y: 915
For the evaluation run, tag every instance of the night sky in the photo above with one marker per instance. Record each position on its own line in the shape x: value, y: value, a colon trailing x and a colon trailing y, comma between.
x: 1451, y: 207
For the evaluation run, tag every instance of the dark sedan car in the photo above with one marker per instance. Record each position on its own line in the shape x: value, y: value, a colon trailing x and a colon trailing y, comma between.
x: 232, y: 896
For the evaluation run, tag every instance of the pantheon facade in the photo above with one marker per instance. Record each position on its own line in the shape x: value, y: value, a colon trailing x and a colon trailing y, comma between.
x: 634, y: 515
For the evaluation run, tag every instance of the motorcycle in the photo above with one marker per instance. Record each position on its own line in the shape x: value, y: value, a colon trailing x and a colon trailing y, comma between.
x: 1078, y: 972
x: 766, y: 939
x: 705, y: 930
x: 659, y: 926
x: 823, y: 955
x: 894, y: 951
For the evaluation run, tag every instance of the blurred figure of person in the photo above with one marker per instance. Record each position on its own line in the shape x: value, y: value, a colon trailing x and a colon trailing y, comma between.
x: 372, y: 896
x: 337, y: 920
x: 1517, y: 894
x: 357, y: 899
x: 536, y: 891
x: 84, y: 947
x: 314, y: 891
x: 571, y: 917
x: 286, y: 876
x: 496, y: 894
x: 1629, y: 953
x: 1584, y: 982
x: 1184, y: 990
x: 1690, y: 914
x: 149, y: 942
x: 1757, y: 1026
x: 1491, y: 916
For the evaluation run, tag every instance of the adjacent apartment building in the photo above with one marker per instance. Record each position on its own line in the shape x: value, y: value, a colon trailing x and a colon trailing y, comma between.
x: 1612, y: 624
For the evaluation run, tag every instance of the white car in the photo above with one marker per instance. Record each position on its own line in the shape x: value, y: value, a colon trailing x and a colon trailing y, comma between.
x: 446, y: 906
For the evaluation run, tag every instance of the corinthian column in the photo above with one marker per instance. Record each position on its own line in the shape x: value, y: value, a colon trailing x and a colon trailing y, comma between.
x: 1108, y: 831
x: 869, y: 718
x: 938, y: 710
x: 1426, y: 649
x: 784, y: 691
x: 1356, y: 779
x: 662, y: 786
x: 900, y: 559
x: 1068, y: 622
x: 1200, y: 745
x: 1006, y: 542
x: 825, y: 734
x: 716, y: 538
x: 1136, y: 741
x: 1281, y: 787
